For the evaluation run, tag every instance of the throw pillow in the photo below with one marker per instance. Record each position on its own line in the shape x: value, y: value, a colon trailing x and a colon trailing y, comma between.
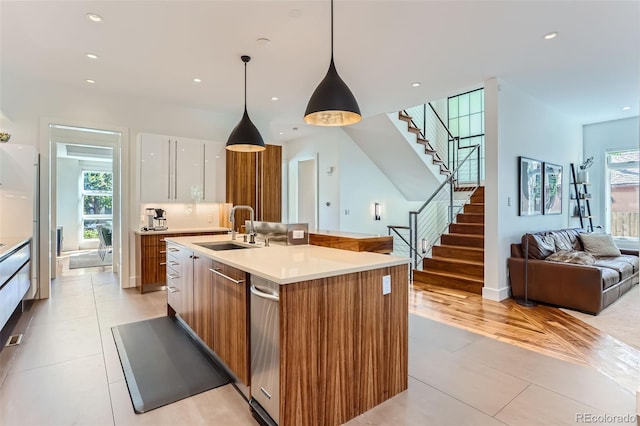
x: 573, y: 256
x: 599, y: 244
x: 561, y: 241
x: 539, y: 245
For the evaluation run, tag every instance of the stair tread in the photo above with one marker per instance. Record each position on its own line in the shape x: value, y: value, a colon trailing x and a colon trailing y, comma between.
x: 466, y: 235
x: 468, y: 223
x: 456, y: 260
x: 452, y: 275
x: 449, y: 246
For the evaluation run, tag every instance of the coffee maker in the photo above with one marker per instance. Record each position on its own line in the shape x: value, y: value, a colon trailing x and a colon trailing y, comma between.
x: 156, y: 221
x: 160, y: 222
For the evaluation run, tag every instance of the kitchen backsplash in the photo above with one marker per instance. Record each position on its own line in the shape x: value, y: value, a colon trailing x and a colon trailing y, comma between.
x: 191, y: 215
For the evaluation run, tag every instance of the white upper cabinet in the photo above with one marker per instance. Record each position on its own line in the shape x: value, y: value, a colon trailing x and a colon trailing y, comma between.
x: 181, y: 170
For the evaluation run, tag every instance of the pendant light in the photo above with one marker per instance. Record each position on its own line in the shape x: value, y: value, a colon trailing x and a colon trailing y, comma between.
x: 245, y: 137
x: 332, y: 103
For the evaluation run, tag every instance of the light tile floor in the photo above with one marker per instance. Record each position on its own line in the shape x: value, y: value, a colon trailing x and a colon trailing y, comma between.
x: 67, y: 372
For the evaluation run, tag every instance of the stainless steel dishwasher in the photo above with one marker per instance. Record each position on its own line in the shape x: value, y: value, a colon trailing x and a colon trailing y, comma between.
x: 265, y: 350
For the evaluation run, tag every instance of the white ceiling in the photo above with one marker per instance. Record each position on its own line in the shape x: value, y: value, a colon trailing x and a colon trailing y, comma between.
x: 154, y: 49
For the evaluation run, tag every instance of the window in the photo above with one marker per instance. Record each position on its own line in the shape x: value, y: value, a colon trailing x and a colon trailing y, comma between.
x: 97, y: 202
x: 466, y: 120
x: 624, y: 195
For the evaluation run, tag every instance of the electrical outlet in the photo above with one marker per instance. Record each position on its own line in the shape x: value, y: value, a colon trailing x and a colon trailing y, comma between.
x: 386, y: 284
x: 347, y: 212
x: 210, y: 219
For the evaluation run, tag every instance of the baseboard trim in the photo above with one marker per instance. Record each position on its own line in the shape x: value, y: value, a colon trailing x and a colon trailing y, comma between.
x: 132, y: 282
x: 496, y: 294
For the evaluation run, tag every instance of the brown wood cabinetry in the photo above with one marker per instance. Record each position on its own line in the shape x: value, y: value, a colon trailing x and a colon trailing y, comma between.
x: 203, y: 299
x: 255, y: 179
x: 343, y: 346
x: 151, y: 259
x: 231, y: 318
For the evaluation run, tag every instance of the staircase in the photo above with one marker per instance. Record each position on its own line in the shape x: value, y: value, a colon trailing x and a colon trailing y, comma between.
x: 428, y: 149
x: 458, y: 262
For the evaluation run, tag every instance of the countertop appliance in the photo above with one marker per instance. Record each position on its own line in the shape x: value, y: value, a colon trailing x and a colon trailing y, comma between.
x: 156, y: 221
x: 265, y: 351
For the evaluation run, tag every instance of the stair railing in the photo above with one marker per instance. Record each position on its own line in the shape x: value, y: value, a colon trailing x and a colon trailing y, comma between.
x: 433, y: 129
x: 431, y: 220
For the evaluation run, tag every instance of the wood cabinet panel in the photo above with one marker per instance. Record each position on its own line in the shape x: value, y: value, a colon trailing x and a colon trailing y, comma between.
x: 203, y: 300
x: 255, y: 179
x: 230, y: 319
x: 381, y: 244
x: 151, y: 258
x: 270, y: 184
x: 343, y: 346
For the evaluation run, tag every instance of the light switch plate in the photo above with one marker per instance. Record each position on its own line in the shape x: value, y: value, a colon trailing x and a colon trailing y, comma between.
x: 386, y: 284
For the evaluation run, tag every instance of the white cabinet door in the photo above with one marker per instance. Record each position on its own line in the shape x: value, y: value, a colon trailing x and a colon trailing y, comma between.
x: 155, y: 166
x: 215, y: 159
x: 189, y: 171
x: 181, y: 170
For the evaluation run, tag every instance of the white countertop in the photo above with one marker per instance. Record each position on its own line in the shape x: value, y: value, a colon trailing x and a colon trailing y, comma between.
x: 289, y: 264
x: 11, y: 244
x: 182, y: 231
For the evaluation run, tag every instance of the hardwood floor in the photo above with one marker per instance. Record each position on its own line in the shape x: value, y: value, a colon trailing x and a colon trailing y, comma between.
x: 543, y: 329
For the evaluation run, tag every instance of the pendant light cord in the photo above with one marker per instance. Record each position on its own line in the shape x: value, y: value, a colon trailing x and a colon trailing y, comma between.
x: 245, y: 87
x: 331, y: 30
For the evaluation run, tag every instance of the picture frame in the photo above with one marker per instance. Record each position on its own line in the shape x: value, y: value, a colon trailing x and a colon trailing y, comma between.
x: 552, y: 193
x: 530, y: 191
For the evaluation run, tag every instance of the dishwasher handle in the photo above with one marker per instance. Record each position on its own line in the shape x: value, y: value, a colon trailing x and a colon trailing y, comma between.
x: 254, y: 290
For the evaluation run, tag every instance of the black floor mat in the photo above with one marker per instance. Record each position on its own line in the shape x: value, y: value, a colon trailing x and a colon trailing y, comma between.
x: 162, y: 364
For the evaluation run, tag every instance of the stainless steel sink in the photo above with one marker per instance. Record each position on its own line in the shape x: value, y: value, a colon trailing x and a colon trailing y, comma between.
x: 223, y: 246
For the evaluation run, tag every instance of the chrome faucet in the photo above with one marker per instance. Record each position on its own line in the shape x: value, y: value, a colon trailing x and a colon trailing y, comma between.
x: 232, y: 219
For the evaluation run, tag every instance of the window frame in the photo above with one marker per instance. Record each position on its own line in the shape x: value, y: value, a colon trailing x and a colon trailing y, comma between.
x: 622, y: 241
x: 90, y: 192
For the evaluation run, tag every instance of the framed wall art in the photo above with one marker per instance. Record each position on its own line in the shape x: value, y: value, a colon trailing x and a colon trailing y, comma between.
x: 530, y: 178
x: 552, y: 193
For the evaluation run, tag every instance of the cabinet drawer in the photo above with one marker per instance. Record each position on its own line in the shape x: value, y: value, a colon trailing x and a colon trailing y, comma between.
x: 229, y: 271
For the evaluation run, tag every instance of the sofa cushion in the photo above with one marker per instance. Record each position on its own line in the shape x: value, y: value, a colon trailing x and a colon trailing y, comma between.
x: 567, y: 239
x: 599, y: 244
x: 631, y: 260
x: 540, y: 245
x: 620, y: 265
x: 572, y: 256
x: 609, y: 277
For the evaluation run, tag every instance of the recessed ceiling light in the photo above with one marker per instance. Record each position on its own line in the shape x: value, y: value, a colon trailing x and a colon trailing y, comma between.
x: 626, y: 108
x: 275, y: 98
x: 90, y: 81
x: 415, y: 84
x: 263, y: 41
x: 282, y: 133
x: 94, y: 17
x: 551, y: 35
x: 197, y: 80
x: 91, y: 55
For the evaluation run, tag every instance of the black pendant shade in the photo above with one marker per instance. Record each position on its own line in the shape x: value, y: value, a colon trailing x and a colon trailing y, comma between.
x: 245, y: 137
x: 332, y: 103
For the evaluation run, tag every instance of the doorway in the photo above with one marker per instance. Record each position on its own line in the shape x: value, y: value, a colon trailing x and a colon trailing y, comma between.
x: 85, y: 200
x: 303, y: 191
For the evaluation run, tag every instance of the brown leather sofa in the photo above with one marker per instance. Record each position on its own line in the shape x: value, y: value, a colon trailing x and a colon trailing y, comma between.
x: 584, y: 288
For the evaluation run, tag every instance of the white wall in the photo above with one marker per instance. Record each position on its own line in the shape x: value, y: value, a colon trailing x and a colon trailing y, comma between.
x: 598, y: 139
x: 68, y: 206
x: 355, y: 184
x: 516, y: 124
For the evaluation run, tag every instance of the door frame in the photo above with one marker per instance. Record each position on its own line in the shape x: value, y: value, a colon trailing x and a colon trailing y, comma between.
x: 48, y: 200
x: 293, y: 188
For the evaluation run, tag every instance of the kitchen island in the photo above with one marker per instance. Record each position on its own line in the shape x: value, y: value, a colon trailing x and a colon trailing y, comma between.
x: 339, y: 324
